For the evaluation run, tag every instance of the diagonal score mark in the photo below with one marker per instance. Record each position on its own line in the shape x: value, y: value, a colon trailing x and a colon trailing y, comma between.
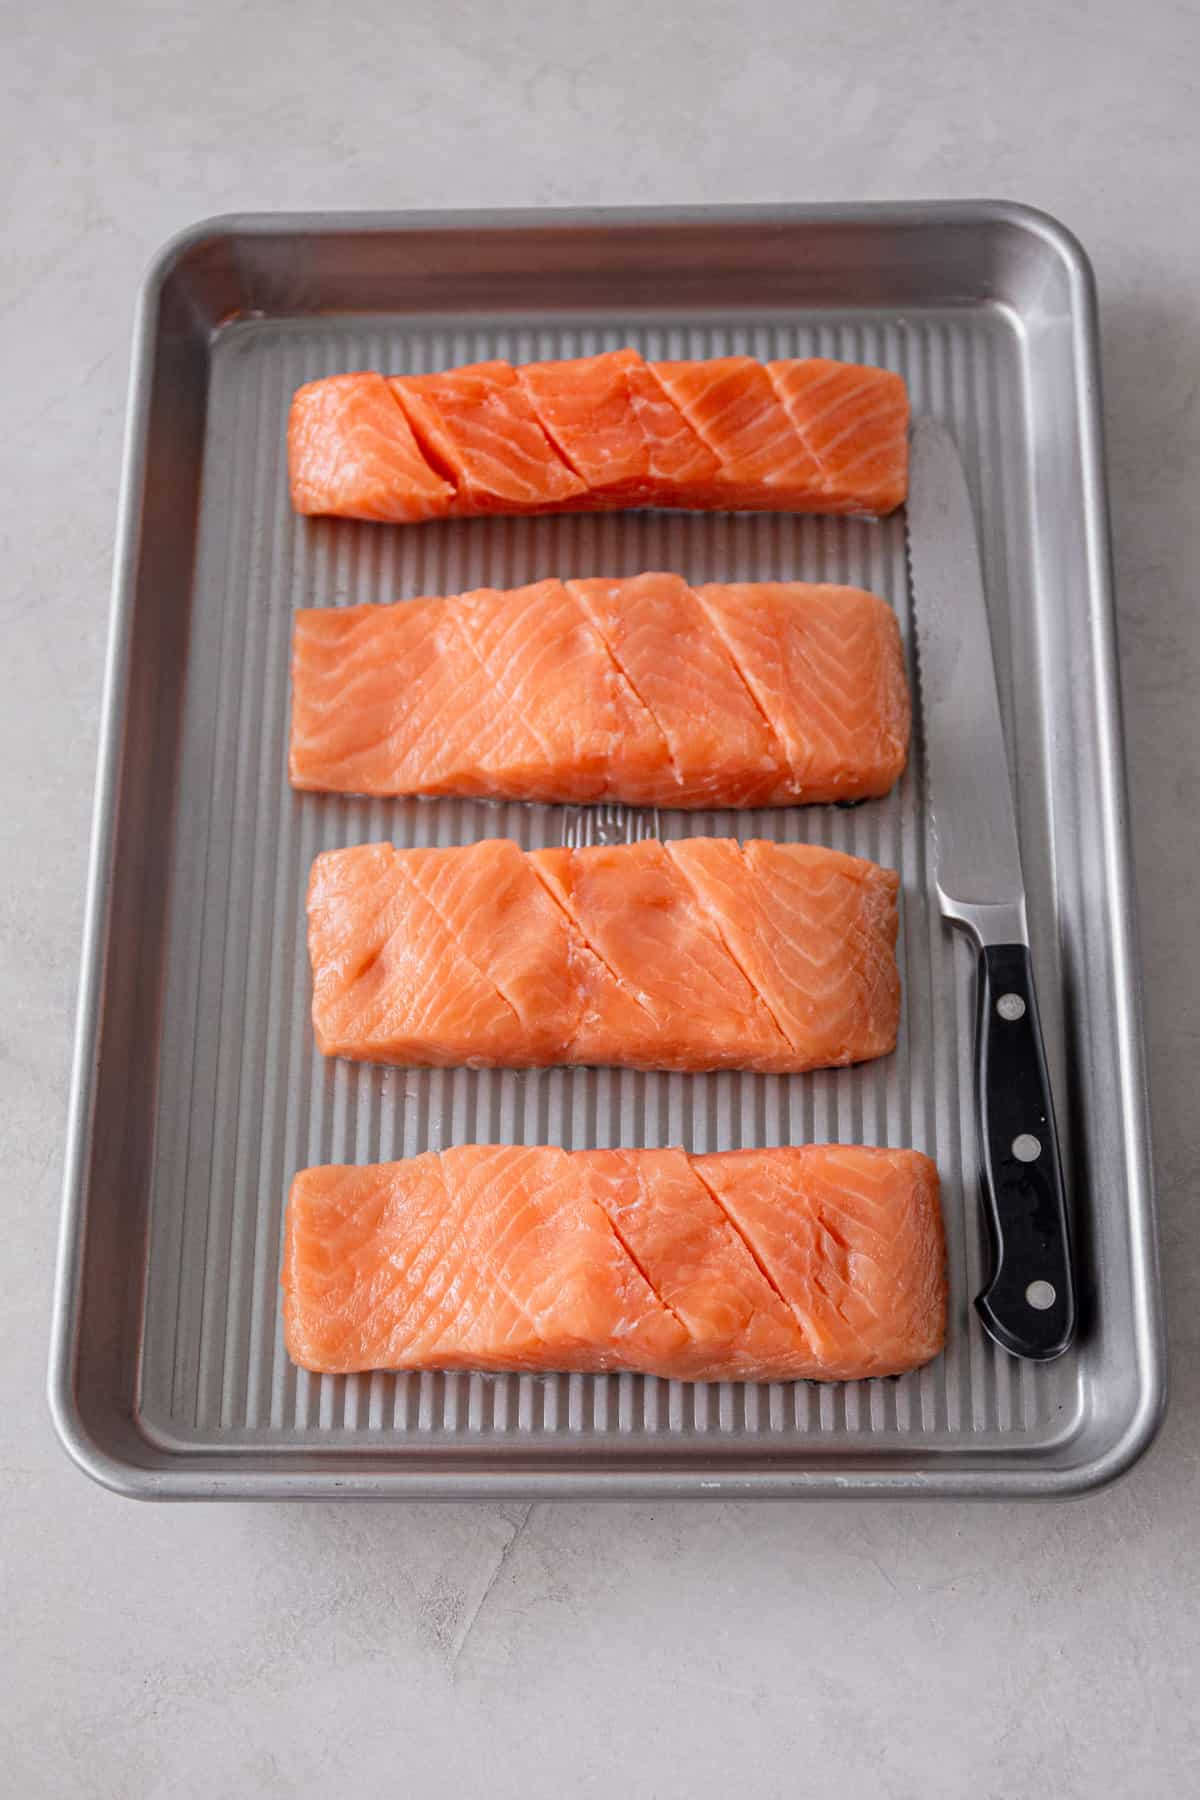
x: 624, y: 675
x: 801, y: 433
x: 785, y: 1037
x: 552, y: 435
x: 421, y: 449
x: 575, y: 925
x: 625, y: 1245
x: 718, y: 630
x: 760, y: 1265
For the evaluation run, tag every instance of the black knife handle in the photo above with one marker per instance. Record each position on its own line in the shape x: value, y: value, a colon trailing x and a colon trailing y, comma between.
x: 1028, y: 1305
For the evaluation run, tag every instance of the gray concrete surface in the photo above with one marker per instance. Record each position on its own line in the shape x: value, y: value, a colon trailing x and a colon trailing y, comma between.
x: 884, y: 1652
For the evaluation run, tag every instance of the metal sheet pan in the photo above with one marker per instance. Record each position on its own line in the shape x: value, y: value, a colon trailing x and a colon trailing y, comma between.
x: 197, y: 1088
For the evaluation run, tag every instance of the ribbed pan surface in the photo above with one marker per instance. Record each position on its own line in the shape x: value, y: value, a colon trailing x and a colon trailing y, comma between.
x: 244, y: 1098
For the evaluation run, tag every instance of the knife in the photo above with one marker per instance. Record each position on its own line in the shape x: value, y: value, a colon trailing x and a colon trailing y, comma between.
x: 1028, y: 1305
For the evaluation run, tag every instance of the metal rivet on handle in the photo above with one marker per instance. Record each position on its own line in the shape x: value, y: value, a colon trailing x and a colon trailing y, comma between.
x: 1026, y: 1148
x: 1010, y: 1007
x: 1040, y: 1295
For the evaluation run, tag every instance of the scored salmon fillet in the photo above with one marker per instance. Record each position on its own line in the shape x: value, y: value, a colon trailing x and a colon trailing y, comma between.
x: 642, y: 690
x: 699, y: 954
x: 798, y: 435
x: 816, y: 1263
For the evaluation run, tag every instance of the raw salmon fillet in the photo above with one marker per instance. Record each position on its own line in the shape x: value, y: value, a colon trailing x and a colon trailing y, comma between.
x: 642, y: 690
x: 699, y: 954
x: 820, y: 1263
x: 801, y: 435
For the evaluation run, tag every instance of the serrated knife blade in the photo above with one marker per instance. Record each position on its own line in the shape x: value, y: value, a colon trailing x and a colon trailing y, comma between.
x: 969, y: 795
x: 1028, y: 1305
